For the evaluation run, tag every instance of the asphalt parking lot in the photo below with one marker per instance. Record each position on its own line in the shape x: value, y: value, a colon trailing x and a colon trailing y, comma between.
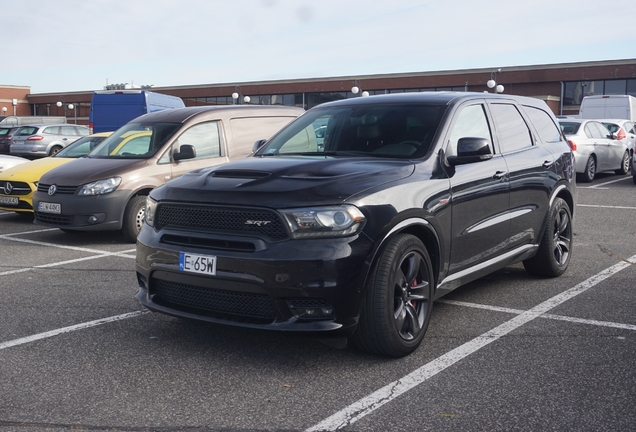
x: 506, y: 352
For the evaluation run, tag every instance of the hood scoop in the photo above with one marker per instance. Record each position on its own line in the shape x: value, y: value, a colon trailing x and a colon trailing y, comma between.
x: 241, y: 174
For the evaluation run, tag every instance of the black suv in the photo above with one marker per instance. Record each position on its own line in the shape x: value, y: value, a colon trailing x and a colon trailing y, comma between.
x: 401, y: 199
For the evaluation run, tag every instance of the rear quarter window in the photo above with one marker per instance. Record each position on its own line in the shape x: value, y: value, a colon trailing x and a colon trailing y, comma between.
x: 546, y: 128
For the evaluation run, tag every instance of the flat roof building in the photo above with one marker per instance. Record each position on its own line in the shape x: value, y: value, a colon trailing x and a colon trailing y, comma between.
x: 562, y: 86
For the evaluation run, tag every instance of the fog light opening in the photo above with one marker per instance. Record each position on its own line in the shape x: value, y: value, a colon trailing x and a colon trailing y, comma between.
x: 310, y: 309
x: 92, y: 219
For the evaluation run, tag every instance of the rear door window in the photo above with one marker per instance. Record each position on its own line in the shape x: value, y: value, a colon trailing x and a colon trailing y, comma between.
x: 512, y: 130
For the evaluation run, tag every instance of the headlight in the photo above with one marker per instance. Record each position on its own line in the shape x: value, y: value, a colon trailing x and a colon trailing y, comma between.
x: 151, y: 208
x: 100, y: 187
x: 324, y: 221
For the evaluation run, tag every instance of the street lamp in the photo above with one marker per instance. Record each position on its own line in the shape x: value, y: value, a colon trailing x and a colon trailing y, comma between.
x: 4, y: 110
x: 236, y: 95
x: 498, y: 88
x: 356, y: 89
x: 74, y: 109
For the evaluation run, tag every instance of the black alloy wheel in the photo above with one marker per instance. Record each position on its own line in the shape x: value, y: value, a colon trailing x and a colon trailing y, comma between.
x: 397, y: 308
x: 555, y: 251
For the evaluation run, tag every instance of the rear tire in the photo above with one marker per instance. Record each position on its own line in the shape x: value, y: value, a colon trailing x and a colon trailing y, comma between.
x: 590, y: 170
x: 555, y: 250
x: 397, y: 307
x: 624, y: 169
x: 55, y: 150
x: 134, y: 218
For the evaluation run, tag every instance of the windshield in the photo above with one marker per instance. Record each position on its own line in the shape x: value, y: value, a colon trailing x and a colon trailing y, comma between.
x: 135, y: 141
x: 378, y: 130
x: 81, y: 147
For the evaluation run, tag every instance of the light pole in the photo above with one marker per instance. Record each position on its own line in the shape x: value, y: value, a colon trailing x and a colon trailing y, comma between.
x: 356, y: 89
x: 498, y: 88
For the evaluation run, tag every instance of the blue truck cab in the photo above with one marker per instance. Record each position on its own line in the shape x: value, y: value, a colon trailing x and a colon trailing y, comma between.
x: 111, y: 109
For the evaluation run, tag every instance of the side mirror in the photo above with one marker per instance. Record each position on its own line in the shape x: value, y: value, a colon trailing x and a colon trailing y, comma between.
x: 186, y: 151
x: 257, y: 145
x: 471, y: 150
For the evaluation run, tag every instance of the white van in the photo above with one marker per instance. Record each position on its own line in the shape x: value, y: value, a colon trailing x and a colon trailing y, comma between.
x: 608, y: 107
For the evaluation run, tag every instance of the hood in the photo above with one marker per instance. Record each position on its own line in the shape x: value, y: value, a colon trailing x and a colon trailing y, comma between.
x: 86, y: 170
x: 281, y: 182
x: 32, y: 171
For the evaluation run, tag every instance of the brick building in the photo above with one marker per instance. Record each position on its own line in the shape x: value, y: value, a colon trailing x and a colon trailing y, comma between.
x: 561, y: 86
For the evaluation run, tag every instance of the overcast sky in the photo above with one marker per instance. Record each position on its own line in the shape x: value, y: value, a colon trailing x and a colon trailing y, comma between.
x: 80, y: 45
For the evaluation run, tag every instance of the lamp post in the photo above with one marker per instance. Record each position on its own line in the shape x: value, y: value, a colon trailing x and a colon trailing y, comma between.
x: 74, y: 109
x: 356, y: 89
x: 4, y: 110
x: 236, y: 95
x: 498, y: 88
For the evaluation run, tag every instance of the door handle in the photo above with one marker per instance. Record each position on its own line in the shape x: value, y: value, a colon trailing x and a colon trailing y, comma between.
x: 499, y: 175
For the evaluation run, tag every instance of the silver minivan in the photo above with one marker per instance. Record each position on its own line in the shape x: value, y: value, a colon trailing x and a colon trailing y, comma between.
x: 107, y: 189
x: 40, y: 140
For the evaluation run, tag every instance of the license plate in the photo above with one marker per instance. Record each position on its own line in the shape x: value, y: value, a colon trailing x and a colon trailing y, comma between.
x: 9, y: 201
x: 204, y: 264
x: 46, y: 207
x: 18, y: 142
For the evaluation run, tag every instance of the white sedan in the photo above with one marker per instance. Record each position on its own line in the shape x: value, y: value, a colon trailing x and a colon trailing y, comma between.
x: 596, y: 149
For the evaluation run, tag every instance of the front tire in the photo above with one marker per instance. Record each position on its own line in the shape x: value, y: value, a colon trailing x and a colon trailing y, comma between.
x: 397, y: 307
x: 555, y: 250
x: 134, y: 218
x: 625, y: 163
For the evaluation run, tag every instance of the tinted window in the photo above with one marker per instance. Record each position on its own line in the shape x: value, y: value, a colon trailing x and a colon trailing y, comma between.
x: 27, y: 130
x: 380, y: 130
x: 471, y: 122
x: 511, y: 128
x: 570, y: 128
x: 547, y: 130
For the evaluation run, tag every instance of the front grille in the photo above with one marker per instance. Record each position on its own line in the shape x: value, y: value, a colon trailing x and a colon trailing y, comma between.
x: 207, y: 243
x: 52, y: 219
x: 212, y: 302
x: 68, y: 190
x: 260, y: 222
x: 14, y: 188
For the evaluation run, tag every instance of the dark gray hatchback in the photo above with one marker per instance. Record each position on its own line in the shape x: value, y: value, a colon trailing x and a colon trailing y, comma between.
x: 354, y: 233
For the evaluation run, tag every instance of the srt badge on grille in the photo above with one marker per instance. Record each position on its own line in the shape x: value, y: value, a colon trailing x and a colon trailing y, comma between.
x: 257, y: 222
x: 52, y: 189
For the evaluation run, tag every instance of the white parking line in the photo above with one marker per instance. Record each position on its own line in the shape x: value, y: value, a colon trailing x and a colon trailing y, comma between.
x: 612, y: 207
x: 68, y: 329
x: 100, y: 253
x: 386, y: 394
x: 598, y: 186
x: 547, y: 316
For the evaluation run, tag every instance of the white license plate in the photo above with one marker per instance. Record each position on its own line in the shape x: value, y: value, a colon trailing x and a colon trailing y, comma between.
x: 46, y: 207
x: 9, y: 201
x: 204, y: 264
x: 18, y: 142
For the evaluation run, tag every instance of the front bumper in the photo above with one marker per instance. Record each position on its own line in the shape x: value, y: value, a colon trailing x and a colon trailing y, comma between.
x: 258, y: 289
x: 83, y: 213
